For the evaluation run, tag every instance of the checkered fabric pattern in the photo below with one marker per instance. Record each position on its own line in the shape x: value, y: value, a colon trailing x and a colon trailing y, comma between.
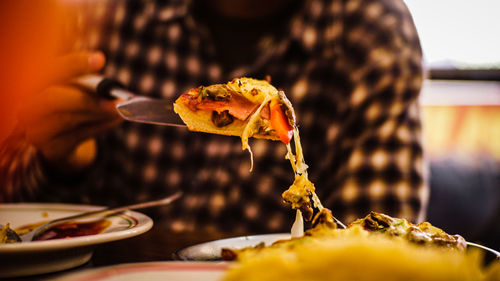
x: 352, y: 70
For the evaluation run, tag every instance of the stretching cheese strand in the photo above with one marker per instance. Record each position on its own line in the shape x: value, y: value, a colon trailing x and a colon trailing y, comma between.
x: 300, y: 168
x: 250, y: 127
x: 301, y: 181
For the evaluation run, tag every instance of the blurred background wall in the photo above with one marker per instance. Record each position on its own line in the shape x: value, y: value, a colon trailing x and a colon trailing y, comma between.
x: 461, y: 114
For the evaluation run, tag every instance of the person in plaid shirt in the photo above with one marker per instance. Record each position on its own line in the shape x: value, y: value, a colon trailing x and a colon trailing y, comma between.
x: 351, y: 68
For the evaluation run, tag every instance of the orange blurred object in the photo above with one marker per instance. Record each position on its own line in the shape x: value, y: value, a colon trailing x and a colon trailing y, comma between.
x: 32, y: 36
x: 469, y: 130
x: 461, y: 118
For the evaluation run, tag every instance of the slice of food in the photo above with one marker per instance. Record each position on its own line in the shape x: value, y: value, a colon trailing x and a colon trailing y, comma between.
x: 243, y: 107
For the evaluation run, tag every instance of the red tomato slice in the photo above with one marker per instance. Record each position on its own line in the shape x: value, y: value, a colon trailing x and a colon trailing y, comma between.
x: 279, y: 122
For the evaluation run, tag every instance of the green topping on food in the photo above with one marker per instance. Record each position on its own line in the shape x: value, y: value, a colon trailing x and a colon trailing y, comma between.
x: 202, y: 91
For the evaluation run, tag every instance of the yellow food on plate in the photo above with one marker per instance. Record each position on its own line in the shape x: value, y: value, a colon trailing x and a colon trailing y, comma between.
x: 355, y: 254
x: 7, y: 235
x: 374, y: 224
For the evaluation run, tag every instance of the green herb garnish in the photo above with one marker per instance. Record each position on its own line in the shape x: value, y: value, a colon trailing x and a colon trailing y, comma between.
x: 202, y: 92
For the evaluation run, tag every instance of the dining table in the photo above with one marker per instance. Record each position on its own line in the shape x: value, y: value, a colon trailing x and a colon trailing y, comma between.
x: 160, y: 243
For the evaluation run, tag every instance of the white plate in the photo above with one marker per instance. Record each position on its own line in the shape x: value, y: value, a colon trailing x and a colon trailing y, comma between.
x: 152, y: 271
x: 212, y: 250
x: 29, y: 258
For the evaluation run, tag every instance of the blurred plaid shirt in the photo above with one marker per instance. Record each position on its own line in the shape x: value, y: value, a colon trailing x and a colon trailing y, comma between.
x: 352, y: 69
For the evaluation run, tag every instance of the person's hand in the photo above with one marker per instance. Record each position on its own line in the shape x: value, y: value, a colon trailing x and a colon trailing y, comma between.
x: 61, y: 117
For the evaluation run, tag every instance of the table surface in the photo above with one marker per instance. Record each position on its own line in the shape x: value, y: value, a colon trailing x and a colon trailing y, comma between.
x: 158, y: 244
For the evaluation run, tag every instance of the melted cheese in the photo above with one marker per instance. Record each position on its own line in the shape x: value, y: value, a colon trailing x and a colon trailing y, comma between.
x: 256, y: 91
x: 301, y: 186
x: 252, y: 127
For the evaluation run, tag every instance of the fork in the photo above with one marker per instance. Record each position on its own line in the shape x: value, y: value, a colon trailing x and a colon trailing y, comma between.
x: 30, y: 236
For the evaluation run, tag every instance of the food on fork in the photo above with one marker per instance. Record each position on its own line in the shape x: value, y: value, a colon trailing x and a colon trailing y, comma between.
x: 243, y: 107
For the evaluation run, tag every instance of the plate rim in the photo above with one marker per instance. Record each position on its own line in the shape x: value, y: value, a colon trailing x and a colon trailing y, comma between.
x: 144, y: 224
x: 90, y: 274
x: 179, y: 256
